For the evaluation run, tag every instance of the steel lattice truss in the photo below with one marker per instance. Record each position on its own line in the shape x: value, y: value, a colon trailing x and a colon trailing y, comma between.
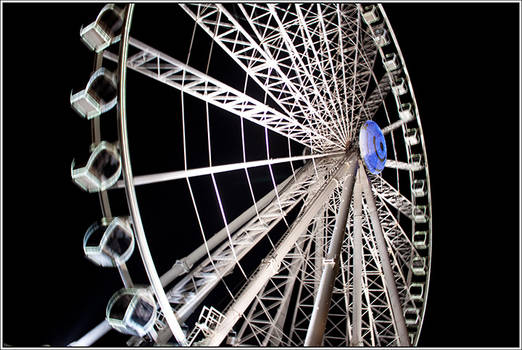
x: 324, y: 69
x: 263, y: 324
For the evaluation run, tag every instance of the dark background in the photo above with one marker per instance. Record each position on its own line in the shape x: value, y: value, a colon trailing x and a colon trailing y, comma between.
x: 463, y: 61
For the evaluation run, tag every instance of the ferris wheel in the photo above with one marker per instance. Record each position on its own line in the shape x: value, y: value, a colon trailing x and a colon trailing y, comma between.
x: 336, y: 250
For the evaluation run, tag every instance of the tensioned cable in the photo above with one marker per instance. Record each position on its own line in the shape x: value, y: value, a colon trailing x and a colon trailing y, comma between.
x: 218, y: 196
x: 290, y: 155
x: 253, y: 327
x: 325, y: 42
x: 358, y: 25
x: 246, y: 169
x: 283, y: 216
x: 326, y: 97
x: 188, y: 179
x: 244, y: 155
x: 243, y: 147
x: 273, y: 179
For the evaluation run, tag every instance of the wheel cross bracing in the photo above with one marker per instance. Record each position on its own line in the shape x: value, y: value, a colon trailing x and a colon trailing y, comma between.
x: 352, y: 268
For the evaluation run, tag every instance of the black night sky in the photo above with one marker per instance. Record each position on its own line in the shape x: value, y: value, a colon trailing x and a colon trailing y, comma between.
x: 463, y: 60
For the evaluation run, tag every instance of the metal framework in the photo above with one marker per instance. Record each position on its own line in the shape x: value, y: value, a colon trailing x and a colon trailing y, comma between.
x: 352, y: 268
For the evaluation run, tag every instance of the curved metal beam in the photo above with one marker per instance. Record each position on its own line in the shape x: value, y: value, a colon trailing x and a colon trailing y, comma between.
x: 132, y: 202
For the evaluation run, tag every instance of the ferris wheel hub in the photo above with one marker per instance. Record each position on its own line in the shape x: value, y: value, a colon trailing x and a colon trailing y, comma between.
x: 372, y: 146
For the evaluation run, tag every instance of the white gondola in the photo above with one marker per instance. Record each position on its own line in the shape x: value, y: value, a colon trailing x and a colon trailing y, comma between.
x: 109, y: 243
x: 99, y: 96
x: 370, y: 14
x: 418, y: 266
x: 102, y: 169
x: 411, y: 316
x: 417, y: 291
x: 391, y: 62
x: 419, y: 214
x: 412, y: 137
x: 420, y: 239
x: 105, y: 30
x: 132, y: 311
x: 418, y: 187
x: 399, y: 87
x: 406, y: 112
x: 381, y: 37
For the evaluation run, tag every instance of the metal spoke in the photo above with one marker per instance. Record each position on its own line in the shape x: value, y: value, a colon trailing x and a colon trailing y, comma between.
x: 182, y: 174
x: 357, y: 264
x: 314, y: 336
x: 395, y: 125
x: 395, y: 164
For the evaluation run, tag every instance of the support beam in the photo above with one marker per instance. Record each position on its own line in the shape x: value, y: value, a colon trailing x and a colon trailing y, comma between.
x: 315, y: 334
x: 357, y: 264
x: 395, y: 125
x: 183, y: 174
x: 270, y: 266
x: 395, y: 164
x: 391, y: 287
x: 319, y: 251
